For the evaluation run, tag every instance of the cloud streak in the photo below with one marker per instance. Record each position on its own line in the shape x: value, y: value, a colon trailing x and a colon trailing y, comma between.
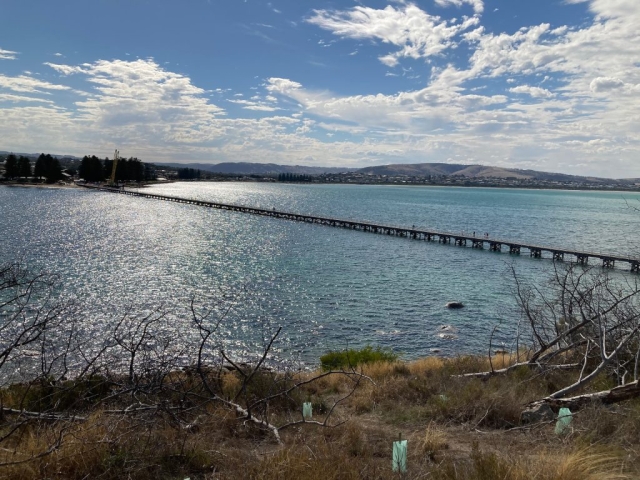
x: 7, y: 54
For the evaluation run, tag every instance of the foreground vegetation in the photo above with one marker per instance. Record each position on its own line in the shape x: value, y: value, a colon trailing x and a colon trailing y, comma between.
x: 457, y: 428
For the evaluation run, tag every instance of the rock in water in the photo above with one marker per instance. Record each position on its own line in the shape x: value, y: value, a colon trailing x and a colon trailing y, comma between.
x: 454, y: 305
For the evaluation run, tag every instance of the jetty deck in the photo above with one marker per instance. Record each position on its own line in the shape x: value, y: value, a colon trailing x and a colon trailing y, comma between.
x: 458, y: 239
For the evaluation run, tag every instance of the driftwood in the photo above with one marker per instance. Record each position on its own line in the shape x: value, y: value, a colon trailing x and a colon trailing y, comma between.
x: 50, y: 417
x: 605, y: 397
x: 532, y: 365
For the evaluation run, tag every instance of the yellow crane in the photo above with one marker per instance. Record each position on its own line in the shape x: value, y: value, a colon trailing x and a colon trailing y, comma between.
x: 116, y: 157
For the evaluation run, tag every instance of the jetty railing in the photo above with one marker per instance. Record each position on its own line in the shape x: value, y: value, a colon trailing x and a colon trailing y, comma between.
x: 459, y: 239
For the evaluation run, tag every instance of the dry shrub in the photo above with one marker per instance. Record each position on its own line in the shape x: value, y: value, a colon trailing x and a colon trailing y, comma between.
x: 332, y: 383
x: 230, y: 384
x: 434, y: 440
x: 426, y: 366
x: 381, y: 370
x: 362, y: 400
x: 322, y: 462
x: 578, y: 465
x: 352, y: 451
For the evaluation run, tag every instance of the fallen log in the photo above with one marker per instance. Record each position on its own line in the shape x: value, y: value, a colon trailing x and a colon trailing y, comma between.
x: 503, y: 371
x: 605, y: 397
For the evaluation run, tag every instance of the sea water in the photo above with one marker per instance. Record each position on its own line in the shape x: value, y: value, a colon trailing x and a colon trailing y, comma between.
x: 328, y: 288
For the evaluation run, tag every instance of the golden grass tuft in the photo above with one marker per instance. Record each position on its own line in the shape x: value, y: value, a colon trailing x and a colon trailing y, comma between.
x: 586, y: 464
x: 434, y: 440
x: 231, y: 384
x: 424, y: 366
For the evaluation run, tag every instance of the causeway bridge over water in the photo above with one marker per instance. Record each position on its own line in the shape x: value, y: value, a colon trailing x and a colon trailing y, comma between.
x: 492, y: 244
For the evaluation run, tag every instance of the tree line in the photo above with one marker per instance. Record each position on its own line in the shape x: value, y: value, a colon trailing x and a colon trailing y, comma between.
x: 46, y: 167
x: 188, y: 174
x: 294, y: 177
x: 92, y: 169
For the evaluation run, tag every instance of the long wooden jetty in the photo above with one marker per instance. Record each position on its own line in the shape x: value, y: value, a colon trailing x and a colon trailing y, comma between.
x: 492, y: 244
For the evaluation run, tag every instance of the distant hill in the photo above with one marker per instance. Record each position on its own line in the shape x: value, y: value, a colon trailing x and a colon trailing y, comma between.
x: 247, y: 168
x: 479, y: 171
x: 36, y: 155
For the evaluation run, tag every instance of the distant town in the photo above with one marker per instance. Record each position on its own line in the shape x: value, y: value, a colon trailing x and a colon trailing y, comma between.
x: 48, y: 168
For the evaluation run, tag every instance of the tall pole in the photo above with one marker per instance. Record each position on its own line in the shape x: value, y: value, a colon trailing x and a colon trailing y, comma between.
x: 116, y: 157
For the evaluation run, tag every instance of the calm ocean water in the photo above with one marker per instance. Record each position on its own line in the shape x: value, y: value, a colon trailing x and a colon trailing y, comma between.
x: 327, y: 287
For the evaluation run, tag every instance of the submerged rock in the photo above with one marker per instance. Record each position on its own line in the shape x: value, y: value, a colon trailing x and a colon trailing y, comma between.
x: 447, y: 328
x: 447, y: 336
x: 454, y: 305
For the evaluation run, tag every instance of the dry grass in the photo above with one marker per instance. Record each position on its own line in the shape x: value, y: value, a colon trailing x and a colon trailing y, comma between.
x: 434, y: 441
x: 457, y: 428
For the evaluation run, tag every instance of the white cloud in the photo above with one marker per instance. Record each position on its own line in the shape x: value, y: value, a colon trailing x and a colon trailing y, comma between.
x: 27, y: 84
x: 7, y: 54
x: 65, y: 69
x: 535, y: 92
x: 255, y: 105
x: 147, y: 100
x: 478, y: 5
x: 6, y: 97
x: 605, y: 84
x: 415, y: 32
x: 282, y: 85
x: 605, y: 9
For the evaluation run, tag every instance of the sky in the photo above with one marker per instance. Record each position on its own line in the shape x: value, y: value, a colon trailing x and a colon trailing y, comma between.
x: 550, y: 85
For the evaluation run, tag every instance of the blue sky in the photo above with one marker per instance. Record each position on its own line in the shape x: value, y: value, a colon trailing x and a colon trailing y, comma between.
x: 549, y: 84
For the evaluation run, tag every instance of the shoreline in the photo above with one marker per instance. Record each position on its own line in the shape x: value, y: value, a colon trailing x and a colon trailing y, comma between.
x: 349, y: 184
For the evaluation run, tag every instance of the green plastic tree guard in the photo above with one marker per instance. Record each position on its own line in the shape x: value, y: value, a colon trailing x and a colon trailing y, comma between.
x: 307, y: 412
x: 564, y: 420
x: 399, y: 461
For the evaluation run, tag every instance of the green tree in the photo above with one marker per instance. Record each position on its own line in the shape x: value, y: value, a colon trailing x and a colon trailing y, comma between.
x: 54, y: 172
x: 149, y: 172
x: 91, y: 169
x: 24, y: 167
x: 188, y: 174
x: 40, y: 170
x: 48, y: 167
x: 11, y: 166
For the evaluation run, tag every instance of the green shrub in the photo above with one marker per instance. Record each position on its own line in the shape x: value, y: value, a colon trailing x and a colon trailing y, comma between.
x: 337, y: 359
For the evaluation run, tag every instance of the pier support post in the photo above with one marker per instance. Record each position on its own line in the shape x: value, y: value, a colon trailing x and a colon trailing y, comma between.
x: 608, y: 263
x: 582, y: 259
x: 514, y: 249
x: 495, y: 246
x: 558, y: 256
x: 536, y: 253
x: 635, y: 267
x: 461, y: 242
x: 478, y: 244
